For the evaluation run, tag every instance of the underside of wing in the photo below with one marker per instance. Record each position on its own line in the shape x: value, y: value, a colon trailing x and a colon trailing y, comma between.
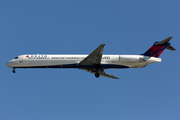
x: 101, y: 72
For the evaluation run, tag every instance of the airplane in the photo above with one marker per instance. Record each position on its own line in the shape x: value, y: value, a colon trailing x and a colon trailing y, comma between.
x: 95, y: 62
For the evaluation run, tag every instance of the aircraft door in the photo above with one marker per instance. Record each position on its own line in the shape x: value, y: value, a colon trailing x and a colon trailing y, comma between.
x: 29, y: 60
x: 20, y: 60
x: 113, y: 59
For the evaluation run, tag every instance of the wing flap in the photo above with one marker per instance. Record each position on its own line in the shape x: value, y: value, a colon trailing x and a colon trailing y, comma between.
x: 102, y: 73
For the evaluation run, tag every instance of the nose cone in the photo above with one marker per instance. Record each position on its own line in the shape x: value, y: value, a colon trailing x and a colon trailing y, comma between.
x: 9, y: 64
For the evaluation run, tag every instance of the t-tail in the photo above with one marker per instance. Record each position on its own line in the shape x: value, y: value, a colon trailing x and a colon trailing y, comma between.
x: 159, y: 47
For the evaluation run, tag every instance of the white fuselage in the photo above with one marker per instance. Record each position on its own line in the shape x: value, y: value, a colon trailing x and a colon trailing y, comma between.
x: 72, y: 61
x: 95, y: 62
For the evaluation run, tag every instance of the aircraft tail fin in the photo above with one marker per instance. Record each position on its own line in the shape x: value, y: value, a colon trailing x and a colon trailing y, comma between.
x: 159, y: 47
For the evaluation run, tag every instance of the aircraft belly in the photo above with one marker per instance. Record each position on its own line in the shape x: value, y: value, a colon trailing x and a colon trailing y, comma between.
x: 113, y: 65
x: 138, y: 65
x: 106, y: 66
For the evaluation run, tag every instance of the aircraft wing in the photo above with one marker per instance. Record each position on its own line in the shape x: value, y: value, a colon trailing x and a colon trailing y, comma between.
x: 101, y: 72
x: 94, y: 58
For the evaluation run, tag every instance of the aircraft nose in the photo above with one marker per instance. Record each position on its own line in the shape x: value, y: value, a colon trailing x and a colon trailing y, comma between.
x: 9, y: 64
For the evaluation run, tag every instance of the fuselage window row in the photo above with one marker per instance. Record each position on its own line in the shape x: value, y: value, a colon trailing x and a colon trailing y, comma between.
x: 106, y: 57
x: 39, y: 58
x: 67, y: 57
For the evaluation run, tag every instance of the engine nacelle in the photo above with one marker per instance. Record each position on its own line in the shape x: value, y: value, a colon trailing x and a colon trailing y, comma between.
x: 132, y: 58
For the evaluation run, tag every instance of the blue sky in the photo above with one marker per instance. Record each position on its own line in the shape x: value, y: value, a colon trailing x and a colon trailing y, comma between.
x: 78, y: 27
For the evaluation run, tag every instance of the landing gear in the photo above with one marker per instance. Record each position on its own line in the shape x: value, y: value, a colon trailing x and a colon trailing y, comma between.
x: 95, y: 70
x: 97, y: 75
x: 14, y: 70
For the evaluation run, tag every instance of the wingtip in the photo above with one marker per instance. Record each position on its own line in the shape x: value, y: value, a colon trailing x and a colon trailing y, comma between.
x: 170, y: 37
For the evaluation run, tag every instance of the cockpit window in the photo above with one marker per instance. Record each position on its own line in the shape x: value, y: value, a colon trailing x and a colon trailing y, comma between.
x: 16, y: 57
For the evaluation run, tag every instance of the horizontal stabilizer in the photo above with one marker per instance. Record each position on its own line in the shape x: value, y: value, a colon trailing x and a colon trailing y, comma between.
x: 159, y: 47
x: 169, y: 47
x: 165, y: 41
